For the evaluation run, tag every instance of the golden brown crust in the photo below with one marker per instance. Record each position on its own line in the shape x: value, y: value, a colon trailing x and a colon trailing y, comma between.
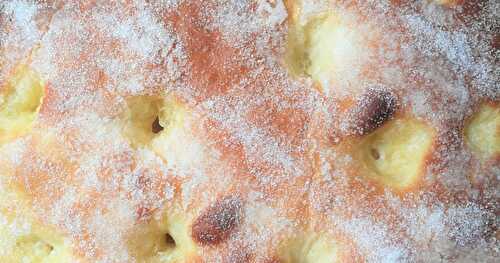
x: 176, y: 131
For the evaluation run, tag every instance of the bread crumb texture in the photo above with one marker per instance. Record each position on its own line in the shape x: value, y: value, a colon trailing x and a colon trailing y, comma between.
x: 291, y: 131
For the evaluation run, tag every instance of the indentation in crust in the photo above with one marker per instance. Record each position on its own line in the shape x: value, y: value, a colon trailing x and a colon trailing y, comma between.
x: 395, y: 154
x: 156, y: 126
x: 217, y: 222
x: 148, y: 117
x: 310, y: 248
x: 33, y: 248
x: 483, y: 131
x: 140, y: 117
x: 150, y: 239
x: 332, y: 48
x: 164, y: 237
x: 372, y: 110
x: 20, y: 102
x: 23, y: 240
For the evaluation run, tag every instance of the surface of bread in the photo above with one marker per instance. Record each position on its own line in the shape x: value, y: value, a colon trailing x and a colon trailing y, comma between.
x: 290, y: 131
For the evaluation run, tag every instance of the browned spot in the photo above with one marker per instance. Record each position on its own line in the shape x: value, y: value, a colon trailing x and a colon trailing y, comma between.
x: 217, y: 222
x: 372, y: 110
x: 156, y: 126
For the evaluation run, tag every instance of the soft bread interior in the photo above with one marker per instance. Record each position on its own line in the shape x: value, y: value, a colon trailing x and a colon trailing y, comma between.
x: 23, y: 238
x: 329, y: 48
x: 20, y: 102
x: 165, y: 239
x: 395, y: 154
x: 483, y: 131
x: 310, y: 248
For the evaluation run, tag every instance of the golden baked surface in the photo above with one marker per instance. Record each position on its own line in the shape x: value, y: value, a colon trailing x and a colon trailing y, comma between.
x: 290, y: 131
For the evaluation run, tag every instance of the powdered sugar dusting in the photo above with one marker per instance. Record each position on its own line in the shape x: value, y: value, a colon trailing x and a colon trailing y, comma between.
x: 18, y: 35
x: 250, y: 129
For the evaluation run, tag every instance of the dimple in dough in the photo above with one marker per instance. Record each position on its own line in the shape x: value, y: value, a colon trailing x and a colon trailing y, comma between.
x: 483, y: 131
x: 395, y: 154
x: 20, y: 102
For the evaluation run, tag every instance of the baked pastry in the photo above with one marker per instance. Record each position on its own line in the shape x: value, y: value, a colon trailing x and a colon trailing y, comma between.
x: 294, y: 131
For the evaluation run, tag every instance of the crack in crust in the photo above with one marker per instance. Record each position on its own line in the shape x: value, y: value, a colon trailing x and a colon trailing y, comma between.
x: 217, y: 222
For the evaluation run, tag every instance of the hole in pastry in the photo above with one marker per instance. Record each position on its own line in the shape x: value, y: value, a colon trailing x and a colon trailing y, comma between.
x: 375, y: 153
x: 166, y: 244
x: 395, y: 154
x: 169, y: 240
x: 161, y: 239
x: 179, y: 244
x: 482, y: 133
x: 20, y: 102
x: 142, y: 120
x: 150, y: 117
x: 156, y: 126
x: 149, y: 239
